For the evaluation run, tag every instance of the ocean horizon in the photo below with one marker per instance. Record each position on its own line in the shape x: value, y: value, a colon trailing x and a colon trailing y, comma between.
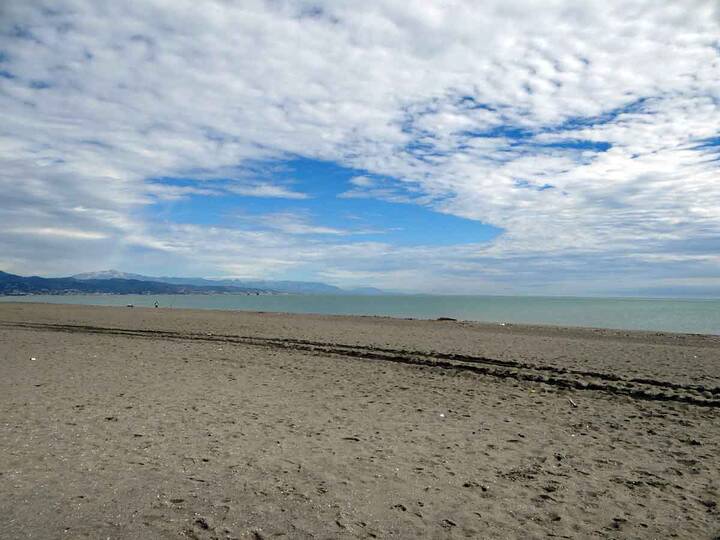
x: 696, y: 316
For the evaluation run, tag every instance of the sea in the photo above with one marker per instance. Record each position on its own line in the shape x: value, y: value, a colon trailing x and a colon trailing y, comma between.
x: 661, y: 314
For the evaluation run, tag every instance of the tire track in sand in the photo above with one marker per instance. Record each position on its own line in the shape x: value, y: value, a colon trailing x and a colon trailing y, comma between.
x: 570, y: 379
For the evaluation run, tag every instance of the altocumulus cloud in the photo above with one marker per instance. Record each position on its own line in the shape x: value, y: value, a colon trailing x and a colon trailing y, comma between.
x: 586, y: 131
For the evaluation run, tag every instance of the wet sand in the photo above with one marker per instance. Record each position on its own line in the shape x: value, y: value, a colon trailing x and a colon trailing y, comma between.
x: 154, y: 423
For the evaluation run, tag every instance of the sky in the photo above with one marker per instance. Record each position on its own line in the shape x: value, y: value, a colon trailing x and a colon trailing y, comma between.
x: 496, y: 147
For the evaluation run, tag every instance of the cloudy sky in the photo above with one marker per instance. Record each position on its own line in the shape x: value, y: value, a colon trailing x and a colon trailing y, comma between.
x: 505, y: 146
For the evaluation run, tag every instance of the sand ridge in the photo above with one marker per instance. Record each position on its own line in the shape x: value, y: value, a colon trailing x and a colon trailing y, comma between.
x: 638, y: 388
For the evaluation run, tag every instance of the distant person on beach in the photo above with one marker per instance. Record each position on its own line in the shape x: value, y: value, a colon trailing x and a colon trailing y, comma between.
x: 156, y: 304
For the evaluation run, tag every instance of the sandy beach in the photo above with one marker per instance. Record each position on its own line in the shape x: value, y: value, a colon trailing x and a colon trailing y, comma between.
x: 159, y: 423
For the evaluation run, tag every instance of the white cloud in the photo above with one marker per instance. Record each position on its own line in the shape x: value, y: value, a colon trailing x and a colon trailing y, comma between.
x: 362, y: 181
x: 266, y: 190
x: 63, y: 233
x: 468, y: 105
x: 293, y: 223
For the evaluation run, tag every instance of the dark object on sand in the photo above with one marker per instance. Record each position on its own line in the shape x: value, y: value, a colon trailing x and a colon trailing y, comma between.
x: 445, y: 319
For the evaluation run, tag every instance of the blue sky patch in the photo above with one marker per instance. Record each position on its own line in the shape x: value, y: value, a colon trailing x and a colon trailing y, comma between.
x: 524, y: 184
x: 578, y: 144
x: 357, y: 218
x: 711, y: 142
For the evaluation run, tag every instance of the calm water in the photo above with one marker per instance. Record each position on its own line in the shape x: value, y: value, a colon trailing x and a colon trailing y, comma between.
x: 695, y: 316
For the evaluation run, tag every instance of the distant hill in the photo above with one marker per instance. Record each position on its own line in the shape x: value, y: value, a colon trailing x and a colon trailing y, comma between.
x: 290, y: 287
x: 11, y: 284
x: 111, y: 274
x: 296, y: 287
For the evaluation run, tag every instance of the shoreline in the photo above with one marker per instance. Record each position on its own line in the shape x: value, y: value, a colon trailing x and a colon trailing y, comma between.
x: 441, y: 319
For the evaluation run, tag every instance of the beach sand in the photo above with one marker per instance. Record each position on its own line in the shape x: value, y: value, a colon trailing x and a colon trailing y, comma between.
x: 158, y: 423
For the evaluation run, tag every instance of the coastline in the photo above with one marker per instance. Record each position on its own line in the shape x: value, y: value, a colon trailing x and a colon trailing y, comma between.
x: 222, y: 424
x: 650, y: 315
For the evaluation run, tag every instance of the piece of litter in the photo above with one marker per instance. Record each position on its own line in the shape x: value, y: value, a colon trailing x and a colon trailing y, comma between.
x: 572, y: 402
x: 442, y: 415
x: 33, y: 358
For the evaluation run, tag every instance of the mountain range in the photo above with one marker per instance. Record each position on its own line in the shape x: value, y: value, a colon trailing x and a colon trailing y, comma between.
x: 11, y: 284
x: 289, y: 287
x: 116, y: 282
